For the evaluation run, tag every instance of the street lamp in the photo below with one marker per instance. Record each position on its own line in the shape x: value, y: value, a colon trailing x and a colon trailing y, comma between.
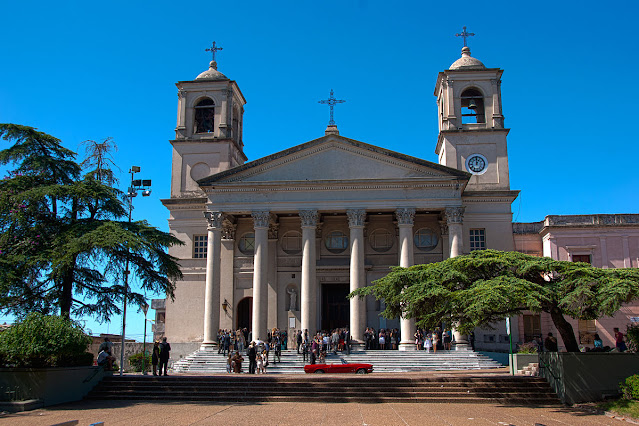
x: 145, y: 187
x: 145, y: 309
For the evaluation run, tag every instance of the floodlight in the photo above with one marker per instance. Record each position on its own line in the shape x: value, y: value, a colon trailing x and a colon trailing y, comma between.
x: 135, y: 169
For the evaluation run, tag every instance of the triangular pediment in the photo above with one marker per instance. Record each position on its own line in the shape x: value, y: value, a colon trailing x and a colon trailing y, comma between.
x: 333, y: 158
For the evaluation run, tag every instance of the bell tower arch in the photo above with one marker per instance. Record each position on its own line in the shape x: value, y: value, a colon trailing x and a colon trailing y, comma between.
x: 472, y: 136
x: 208, y: 136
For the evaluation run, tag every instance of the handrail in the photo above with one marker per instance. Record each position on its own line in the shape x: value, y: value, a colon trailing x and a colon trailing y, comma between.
x: 92, y: 375
x: 543, y: 364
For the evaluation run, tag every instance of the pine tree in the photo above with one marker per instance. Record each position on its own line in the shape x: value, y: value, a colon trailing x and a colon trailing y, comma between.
x: 65, y: 237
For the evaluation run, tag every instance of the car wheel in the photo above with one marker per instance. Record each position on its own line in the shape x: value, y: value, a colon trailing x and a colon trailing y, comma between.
x: 361, y: 371
x: 319, y: 371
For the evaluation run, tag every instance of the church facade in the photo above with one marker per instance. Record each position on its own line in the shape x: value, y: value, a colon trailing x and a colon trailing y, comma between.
x: 280, y: 241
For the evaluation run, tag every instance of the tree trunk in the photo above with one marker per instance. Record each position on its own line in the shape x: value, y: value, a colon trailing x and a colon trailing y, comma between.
x: 565, y: 330
x: 66, y: 297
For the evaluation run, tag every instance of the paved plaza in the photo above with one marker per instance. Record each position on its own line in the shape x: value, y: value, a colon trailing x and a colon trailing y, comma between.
x: 284, y: 413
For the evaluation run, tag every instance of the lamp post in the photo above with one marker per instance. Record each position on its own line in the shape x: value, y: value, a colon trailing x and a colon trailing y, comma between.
x: 145, y: 309
x: 145, y: 187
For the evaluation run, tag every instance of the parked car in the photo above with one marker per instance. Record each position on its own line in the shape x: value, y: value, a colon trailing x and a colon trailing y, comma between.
x: 344, y: 367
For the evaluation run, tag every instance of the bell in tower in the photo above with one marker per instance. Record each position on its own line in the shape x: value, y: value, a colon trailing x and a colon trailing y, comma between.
x: 208, y: 136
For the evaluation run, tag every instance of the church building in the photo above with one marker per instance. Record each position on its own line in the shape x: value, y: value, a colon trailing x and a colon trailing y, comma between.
x: 281, y: 240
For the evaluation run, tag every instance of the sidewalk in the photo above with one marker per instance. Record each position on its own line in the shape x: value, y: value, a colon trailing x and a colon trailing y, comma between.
x: 126, y: 413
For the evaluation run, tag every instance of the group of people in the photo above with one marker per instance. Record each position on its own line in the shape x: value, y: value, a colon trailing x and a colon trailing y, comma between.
x: 383, y: 339
x: 436, y: 339
x: 159, y: 355
x: 314, y: 348
x: 257, y: 351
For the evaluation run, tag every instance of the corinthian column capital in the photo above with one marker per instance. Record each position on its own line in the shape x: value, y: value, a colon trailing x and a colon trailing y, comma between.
x: 455, y: 214
x: 261, y: 219
x: 309, y: 218
x: 356, y: 217
x: 405, y: 216
x: 213, y: 219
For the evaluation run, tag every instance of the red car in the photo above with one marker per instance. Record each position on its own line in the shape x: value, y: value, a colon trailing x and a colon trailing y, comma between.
x: 344, y: 367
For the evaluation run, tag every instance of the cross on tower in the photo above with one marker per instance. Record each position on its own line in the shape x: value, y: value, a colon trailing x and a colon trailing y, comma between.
x: 331, y: 101
x: 214, y: 49
x: 464, y: 34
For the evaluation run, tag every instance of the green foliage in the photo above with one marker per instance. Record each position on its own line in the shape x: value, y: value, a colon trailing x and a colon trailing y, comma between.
x: 44, y: 341
x: 486, y: 286
x: 527, y: 348
x: 65, y: 237
x: 632, y: 334
x: 137, y: 361
x: 630, y: 388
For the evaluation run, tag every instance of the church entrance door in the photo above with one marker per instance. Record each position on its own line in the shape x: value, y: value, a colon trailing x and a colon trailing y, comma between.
x: 245, y: 313
x: 335, y: 306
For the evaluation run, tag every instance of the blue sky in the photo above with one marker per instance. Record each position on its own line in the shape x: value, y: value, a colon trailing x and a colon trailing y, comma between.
x: 86, y: 70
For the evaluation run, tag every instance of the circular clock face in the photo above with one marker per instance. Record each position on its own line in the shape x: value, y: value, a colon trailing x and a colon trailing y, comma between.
x: 476, y: 164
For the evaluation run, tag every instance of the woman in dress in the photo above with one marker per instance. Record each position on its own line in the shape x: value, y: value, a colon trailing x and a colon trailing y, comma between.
x: 435, y: 341
x: 428, y: 343
x: 155, y: 357
x: 418, y: 340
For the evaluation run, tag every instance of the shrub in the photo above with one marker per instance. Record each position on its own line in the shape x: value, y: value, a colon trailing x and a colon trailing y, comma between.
x: 630, y: 388
x: 632, y: 335
x: 45, y: 341
x: 136, y: 361
x: 527, y: 348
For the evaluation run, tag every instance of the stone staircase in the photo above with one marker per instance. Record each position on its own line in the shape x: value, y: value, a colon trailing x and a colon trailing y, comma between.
x: 229, y: 388
x: 207, y: 361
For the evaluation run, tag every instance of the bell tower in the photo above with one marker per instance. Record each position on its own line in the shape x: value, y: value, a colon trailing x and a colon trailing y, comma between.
x: 208, y: 136
x: 472, y: 136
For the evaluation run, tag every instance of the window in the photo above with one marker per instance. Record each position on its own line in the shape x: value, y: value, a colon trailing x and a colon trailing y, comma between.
x: 292, y: 242
x: 477, y: 239
x: 532, y: 327
x: 204, y: 116
x: 381, y: 240
x: 472, y: 103
x: 425, y: 239
x: 199, y: 246
x: 247, y: 243
x: 587, y: 330
x: 336, y: 242
x: 585, y: 258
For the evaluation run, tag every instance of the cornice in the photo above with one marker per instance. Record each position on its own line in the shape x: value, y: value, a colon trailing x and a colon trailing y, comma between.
x: 293, y: 186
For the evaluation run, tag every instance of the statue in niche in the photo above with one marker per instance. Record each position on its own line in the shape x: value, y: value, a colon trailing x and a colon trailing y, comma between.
x: 293, y: 301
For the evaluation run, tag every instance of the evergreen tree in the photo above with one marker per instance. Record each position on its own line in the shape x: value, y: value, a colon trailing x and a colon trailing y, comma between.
x: 65, y: 237
x: 486, y: 286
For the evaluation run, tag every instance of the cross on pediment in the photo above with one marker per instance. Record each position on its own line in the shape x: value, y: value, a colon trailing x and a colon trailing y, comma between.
x: 331, y: 102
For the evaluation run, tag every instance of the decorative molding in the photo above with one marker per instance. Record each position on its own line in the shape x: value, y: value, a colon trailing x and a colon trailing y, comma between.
x: 261, y: 219
x: 213, y: 219
x: 455, y: 214
x: 181, y: 93
x: 318, y: 230
x: 443, y: 227
x: 273, y: 227
x: 356, y: 217
x: 309, y: 218
x: 405, y: 216
x: 228, y: 228
x: 251, y: 187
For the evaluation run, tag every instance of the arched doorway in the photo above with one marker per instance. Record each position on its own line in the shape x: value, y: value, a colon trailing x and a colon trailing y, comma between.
x: 245, y: 313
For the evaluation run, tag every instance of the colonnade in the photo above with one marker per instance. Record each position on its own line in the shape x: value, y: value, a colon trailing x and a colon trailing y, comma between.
x: 308, y: 305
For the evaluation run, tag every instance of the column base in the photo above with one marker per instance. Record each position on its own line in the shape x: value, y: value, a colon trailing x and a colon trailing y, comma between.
x: 459, y: 346
x: 407, y: 346
x: 208, y: 346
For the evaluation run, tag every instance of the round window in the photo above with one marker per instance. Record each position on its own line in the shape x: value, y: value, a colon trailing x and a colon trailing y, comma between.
x: 381, y: 240
x: 247, y: 243
x: 292, y: 242
x: 426, y: 239
x: 336, y: 242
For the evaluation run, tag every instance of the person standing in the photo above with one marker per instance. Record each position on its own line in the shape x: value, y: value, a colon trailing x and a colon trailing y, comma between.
x: 551, y: 343
x: 165, y: 349
x: 619, y: 341
x: 299, y: 340
x: 252, y: 355
x: 155, y: 357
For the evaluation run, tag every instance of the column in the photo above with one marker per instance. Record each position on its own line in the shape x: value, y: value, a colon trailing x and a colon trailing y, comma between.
x: 308, y: 305
x: 455, y: 220
x: 405, y: 218
x: 356, y: 219
x: 260, y: 274
x: 212, y: 289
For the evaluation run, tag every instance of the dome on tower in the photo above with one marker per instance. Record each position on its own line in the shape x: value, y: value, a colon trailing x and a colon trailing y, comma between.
x: 212, y: 73
x: 467, y: 62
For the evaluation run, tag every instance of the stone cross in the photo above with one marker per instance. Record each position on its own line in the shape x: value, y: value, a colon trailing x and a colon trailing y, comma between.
x: 464, y: 34
x: 331, y: 101
x: 214, y: 49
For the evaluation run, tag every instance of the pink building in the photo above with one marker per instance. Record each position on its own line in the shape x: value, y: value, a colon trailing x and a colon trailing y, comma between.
x: 604, y: 241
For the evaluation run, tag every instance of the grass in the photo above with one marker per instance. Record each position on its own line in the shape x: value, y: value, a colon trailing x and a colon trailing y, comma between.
x: 624, y: 407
